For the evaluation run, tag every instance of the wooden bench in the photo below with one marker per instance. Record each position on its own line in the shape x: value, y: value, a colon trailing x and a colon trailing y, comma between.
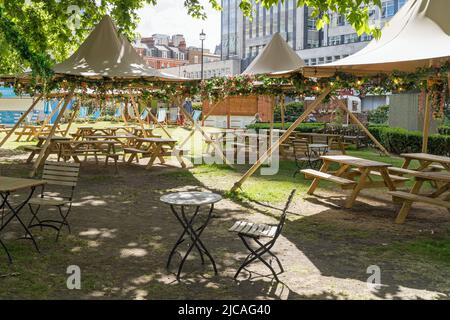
x: 344, y: 183
x: 401, y: 170
x: 437, y: 167
x: 393, y: 177
x: 418, y: 198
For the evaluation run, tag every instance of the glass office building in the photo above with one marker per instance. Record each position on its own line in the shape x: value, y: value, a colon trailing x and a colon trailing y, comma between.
x: 243, y: 38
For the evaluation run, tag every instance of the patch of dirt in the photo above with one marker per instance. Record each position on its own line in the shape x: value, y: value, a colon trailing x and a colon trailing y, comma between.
x: 122, y: 235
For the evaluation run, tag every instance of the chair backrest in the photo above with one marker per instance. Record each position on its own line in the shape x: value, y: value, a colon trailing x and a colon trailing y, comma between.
x: 162, y: 115
x: 83, y: 112
x: 130, y: 110
x: 61, y: 173
x: 300, y: 147
x: 173, y: 114
x: 144, y: 114
x: 196, y: 115
x: 97, y: 113
x: 284, y: 214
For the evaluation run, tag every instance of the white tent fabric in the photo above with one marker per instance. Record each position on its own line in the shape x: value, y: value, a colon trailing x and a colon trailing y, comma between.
x: 276, y: 58
x: 107, y: 54
x: 417, y: 36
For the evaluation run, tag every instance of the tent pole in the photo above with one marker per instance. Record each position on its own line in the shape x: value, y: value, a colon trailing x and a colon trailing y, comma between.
x: 138, y: 115
x: 283, y: 137
x: 122, y: 113
x: 282, y: 111
x: 228, y: 115
x: 426, y: 124
x: 74, y: 115
x: 47, y: 120
x: 43, y: 151
x: 158, y: 124
x: 207, y: 138
x: 21, y: 119
x: 359, y: 123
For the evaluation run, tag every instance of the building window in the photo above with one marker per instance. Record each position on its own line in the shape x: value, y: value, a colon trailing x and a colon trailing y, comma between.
x: 387, y: 8
x: 335, y: 40
x: 313, y: 43
x: 329, y: 59
x: 366, y: 37
x: 313, y: 62
x: 321, y: 60
x: 307, y: 62
x: 350, y: 38
x: 311, y: 23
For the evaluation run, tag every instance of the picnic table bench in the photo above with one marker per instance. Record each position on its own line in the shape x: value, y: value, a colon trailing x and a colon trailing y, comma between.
x: 155, y: 148
x: 31, y: 131
x: 52, y: 149
x: 408, y: 198
x: 350, y: 168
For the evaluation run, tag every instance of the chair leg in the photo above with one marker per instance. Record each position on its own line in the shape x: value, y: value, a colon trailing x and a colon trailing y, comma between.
x: 34, y: 216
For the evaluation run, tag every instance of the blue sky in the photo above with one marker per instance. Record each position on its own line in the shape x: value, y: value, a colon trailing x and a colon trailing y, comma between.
x: 170, y: 17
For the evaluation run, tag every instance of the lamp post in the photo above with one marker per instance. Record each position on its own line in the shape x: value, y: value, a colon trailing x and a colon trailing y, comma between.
x: 202, y: 39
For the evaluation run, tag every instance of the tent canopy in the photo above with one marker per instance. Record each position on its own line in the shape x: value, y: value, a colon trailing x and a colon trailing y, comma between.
x: 417, y: 36
x: 108, y: 54
x: 277, y: 57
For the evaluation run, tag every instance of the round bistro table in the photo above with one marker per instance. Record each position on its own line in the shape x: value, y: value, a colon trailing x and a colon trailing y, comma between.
x: 179, y: 202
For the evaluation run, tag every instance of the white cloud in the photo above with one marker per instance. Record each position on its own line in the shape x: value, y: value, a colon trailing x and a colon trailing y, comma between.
x: 171, y: 17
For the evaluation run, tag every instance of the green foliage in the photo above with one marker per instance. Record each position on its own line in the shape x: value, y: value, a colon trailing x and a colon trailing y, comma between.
x: 444, y: 130
x: 292, y: 111
x: 398, y: 140
x: 303, y: 127
x: 379, y: 116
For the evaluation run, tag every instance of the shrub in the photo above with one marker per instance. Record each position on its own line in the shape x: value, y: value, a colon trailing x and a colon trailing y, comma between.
x: 292, y: 111
x: 303, y: 127
x: 379, y: 115
x: 444, y: 130
x: 398, y: 140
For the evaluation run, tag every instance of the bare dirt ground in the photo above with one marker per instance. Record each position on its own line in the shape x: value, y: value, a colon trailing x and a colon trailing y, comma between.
x: 122, y: 234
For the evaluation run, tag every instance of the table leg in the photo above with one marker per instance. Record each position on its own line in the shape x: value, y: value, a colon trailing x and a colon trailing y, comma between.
x: 387, y: 180
x: 15, y: 214
x: 406, y: 163
x: 195, y: 237
x: 406, y: 206
x: 315, y: 183
x: 359, y: 186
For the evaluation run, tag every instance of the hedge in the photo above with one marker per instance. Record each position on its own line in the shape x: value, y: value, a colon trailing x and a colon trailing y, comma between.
x: 303, y: 127
x: 395, y: 140
x: 398, y: 140
x: 444, y: 129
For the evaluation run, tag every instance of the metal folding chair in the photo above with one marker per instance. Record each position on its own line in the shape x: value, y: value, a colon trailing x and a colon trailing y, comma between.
x: 252, y: 231
x: 62, y: 175
x: 304, y: 157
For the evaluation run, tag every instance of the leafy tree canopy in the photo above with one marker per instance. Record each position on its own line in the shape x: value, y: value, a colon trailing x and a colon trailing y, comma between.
x: 36, y: 33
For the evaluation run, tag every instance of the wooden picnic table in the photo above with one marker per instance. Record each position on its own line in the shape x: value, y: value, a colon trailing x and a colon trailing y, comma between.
x: 442, y: 179
x: 123, y: 140
x: 74, y: 149
x: 155, y: 148
x: 52, y: 148
x: 350, y: 168
x: 426, y: 161
x: 9, y: 185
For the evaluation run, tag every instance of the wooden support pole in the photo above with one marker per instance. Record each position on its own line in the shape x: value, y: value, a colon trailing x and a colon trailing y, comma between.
x: 21, y: 119
x: 158, y: 124
x: 47, y: 142
x: 138, y: 115
x: 426, y: 124
x: 342, y: 105
x: 206, y: 136
x: 283, y: 137
x: 47, y: 120
x: 282, y: 111
x: 74, y: 115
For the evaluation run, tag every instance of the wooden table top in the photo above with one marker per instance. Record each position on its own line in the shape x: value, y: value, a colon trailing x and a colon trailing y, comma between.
x: 93, y: 142
x: 10, y: 184
x: 156, y: 140
x: 312, y: 134
x: 110, y: 137
x: 54, y: 138
x: 354, y: 161
x: 426, y: 157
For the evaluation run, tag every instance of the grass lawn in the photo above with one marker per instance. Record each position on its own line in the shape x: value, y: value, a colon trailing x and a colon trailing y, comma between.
x: 122, y: 234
